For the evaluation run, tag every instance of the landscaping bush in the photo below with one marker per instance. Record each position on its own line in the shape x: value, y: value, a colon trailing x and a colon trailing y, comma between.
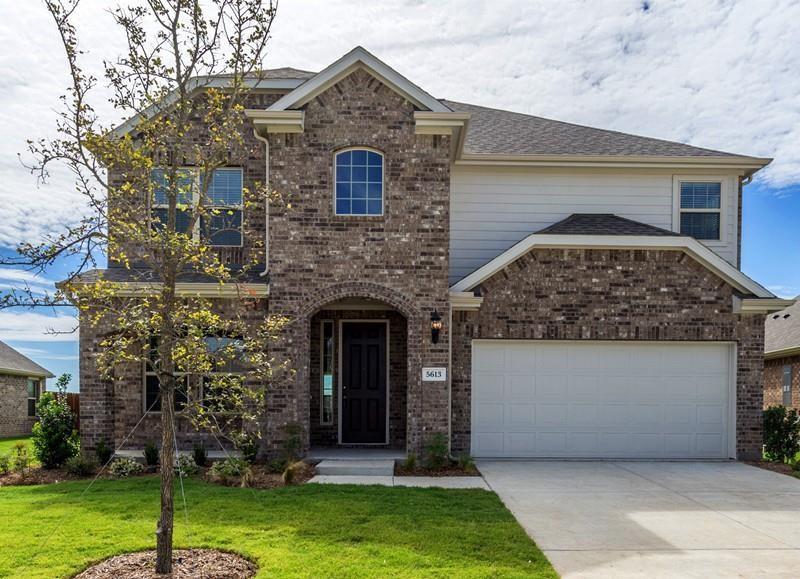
x: 466, y: 462
x: 103, y: 452
x: 185, y: 466
x: 277, y: 465
x: 781, y: 433
x: 20, y: 458
x: 124, y: 467
x: 5, y: 463
x: 292, y: 471
x: 247, y: 444
x: 231, y: 470
x: 54, y: 438
x: 437, y: 453
x: 151, y: 454
x: 200, y: 455
x: 411, y: 461
x: 292, y: 442
x: 81, y: 465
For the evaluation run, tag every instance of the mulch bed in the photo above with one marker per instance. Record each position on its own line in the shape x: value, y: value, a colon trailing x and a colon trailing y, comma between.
x: 452, y: 470
x: 186, y: 564
x: 38, y: 476
x: 261, y: 478
x: 779, y: 467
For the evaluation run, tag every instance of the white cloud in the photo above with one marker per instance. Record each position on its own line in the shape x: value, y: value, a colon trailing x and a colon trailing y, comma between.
x: 785, y: 291
x: 720, y: 74
x: 29, y: 326
x: 21, y: 279
x: 39, y: 353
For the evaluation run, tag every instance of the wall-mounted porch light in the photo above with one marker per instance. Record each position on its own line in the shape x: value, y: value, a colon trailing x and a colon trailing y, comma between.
x: 436, y: 326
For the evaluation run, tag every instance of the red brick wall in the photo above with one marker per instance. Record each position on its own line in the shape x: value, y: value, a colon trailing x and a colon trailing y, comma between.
x: 570, y: 294
x: 773, y: 381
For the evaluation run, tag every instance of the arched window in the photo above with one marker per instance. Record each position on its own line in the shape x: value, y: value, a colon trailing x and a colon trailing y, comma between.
x: 359, y: 182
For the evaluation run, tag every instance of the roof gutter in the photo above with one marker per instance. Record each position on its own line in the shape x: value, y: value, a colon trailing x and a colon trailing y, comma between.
x: 783, y: 353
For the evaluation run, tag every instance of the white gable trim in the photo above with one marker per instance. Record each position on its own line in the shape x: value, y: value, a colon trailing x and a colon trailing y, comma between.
x: 353, y: 60
x: 689, y: 245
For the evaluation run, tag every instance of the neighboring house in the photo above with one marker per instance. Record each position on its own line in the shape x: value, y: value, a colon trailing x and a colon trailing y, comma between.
x: 782, y: 358
x: 583, y: 284
x: 21, y: 383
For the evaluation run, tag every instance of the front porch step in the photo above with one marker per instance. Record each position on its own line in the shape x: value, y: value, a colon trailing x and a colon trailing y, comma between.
x: 372, y: 467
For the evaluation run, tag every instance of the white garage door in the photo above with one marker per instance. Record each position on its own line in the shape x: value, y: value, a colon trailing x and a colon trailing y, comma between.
x: 601, y: 399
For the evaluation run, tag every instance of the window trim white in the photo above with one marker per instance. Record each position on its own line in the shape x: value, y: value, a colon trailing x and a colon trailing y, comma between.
x: 336, y: 153
x: 37, y: 393
x: 196, y: 197
x: 724, y: 192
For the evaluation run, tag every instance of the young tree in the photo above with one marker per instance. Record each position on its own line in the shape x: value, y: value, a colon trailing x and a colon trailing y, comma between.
x: 148, y: 211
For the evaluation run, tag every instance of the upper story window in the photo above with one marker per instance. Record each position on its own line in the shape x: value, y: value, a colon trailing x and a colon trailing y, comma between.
x: 222, y: 223
x: 700, y: 209
x: 359, y: 182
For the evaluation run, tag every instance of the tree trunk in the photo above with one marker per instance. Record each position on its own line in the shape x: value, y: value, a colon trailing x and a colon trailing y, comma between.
x: 164, y: 530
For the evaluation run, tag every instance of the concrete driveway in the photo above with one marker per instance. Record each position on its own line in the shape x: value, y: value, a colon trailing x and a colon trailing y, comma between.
x: 655, y: 519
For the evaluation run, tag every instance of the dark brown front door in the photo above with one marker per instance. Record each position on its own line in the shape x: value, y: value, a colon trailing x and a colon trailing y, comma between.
x: 363, y: 382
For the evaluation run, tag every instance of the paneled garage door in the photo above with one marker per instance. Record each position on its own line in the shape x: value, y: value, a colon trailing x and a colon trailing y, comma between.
x: 601, y: 399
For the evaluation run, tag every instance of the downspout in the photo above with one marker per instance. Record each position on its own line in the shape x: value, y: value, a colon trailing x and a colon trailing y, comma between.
x: 266, y: 202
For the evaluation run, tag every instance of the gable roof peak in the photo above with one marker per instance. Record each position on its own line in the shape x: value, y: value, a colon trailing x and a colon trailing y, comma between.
x: 359, y: 57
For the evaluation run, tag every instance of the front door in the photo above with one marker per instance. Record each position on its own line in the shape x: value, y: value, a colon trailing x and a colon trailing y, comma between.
x: 363, y: 383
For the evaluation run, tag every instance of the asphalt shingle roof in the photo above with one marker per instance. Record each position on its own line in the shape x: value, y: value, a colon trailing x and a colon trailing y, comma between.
x: 602, y: 224
x: 498, y: 132
x: 782, y: 329
x: 13, y: 361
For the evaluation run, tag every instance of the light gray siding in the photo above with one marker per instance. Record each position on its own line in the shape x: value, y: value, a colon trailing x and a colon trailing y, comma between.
x: 492, y: 208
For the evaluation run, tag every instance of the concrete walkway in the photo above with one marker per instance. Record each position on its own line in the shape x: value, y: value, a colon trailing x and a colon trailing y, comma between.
x: 655, y: 519
x: 444, y: 482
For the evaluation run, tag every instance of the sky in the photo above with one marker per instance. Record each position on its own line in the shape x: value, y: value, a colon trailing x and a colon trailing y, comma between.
x: 714, y: 73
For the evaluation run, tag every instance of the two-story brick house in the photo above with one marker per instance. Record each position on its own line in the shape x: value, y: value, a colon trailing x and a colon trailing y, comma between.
x: 527, y: 287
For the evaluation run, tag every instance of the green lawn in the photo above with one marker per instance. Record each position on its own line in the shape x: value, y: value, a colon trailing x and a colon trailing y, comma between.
x: 305, y: 531
x: 7, y: 444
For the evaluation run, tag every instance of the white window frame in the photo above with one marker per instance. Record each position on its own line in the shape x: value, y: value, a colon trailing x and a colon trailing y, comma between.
x: 383, y: 182
x: 724, y: 194
x: 322, y: 420
x: 196, y: 199
x: 37, y: 392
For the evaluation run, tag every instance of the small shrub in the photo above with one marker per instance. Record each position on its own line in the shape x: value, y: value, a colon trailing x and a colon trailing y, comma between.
x: 781, y: 433
x: 124, y: 467
x: 292, y: 442
x: 466, y: 462
x: 247, y: 444
x: 231, y: 470
x: 277, y: 466
x: 5, y: 463
x: 292, y: 471
x: 411, y: 461
x: 54, y: 436
x: 151, y: 454
x: 185, y: 466
x: 437, y: 453
x: 103, y: 452
x: 199, y: 454
x: 20, y: 458
x: 81, y: 465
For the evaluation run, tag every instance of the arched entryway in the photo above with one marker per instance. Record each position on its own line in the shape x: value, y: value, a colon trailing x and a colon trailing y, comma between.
x: 361, y: 344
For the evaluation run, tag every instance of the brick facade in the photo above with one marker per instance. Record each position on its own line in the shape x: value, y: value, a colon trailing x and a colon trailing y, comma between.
x: 14, y: 419
x: 599, y: 294
x: 399, y: 259
x: 773, y: 381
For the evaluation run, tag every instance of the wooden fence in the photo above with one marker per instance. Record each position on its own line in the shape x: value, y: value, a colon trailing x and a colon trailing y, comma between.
x: 74, y: 401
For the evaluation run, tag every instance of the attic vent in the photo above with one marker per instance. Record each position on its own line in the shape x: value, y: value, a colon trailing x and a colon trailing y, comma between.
x: 786, y: 316
x: 776, y: 316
